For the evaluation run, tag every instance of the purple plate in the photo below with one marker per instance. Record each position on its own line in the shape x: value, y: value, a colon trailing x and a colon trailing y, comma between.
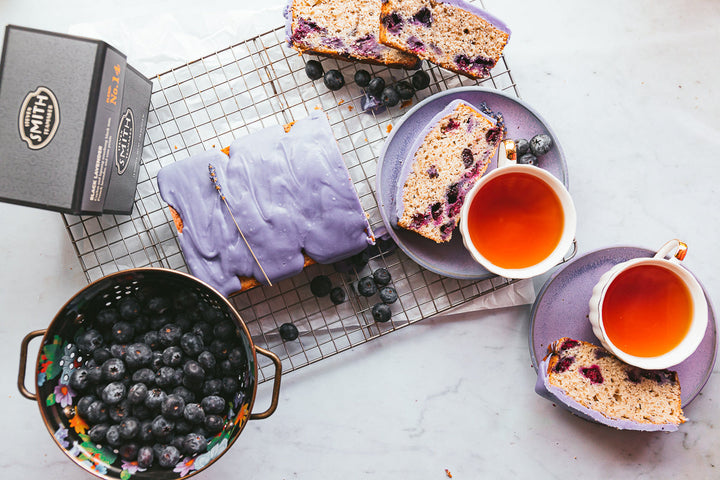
x: 561, y: 310
x: 451, y: 259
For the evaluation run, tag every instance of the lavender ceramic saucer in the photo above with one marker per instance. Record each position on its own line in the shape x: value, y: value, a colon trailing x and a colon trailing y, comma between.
x: 561, y: 310
x: 451, y: 259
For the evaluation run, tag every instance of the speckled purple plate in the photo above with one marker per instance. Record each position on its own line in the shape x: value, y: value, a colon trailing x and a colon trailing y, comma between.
x: 451, y: 259
x: 561, y: 310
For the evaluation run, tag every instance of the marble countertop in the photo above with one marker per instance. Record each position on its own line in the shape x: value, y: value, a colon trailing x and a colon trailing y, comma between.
x: 630, y: 89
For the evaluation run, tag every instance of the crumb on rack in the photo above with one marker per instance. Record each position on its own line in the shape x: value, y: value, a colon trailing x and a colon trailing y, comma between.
x: 341, y: 101
x: 406, y: 103
x: 447, y: 473
x: 389, y: 128
x: 226, y: 150
x: 350, y: 107
x: 288, y: 126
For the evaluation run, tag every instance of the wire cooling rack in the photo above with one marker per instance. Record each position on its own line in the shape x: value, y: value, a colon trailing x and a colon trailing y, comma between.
x: 206, y: 104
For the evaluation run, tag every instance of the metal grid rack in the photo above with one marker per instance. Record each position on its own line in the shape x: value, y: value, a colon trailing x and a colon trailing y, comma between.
x: 206, y: 104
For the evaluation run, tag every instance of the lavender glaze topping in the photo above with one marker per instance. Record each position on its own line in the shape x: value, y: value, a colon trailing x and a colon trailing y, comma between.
x: 290, y: 193
x: 556, y: 394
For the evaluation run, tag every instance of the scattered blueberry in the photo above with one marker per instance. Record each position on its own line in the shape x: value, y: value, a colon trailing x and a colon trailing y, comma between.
x: 194, y: 413
x: 288, y: 332
x: 172, y: 356
x: 129, y: 428
x: 194, y: 443
x: 388, y: 295
x: 137, y: 393
x: 362, y: 78
x: 145, y: 457
x: 169, y: 457
x: 420, y: 80
x: 213, y: 404
x: 191, y: 344
x: 98, y: 432
x: 522, y: 147
x: 320, y: 286
x: 334, y: 80
x: 214, y: 423
x: 366, y: 287
x: 528, y: 159
x: 162, y: 427
x: 138, y: 355
x: 381, y: 277
x: 79, y: 379
x: 314, y: 69
x: 389, y: 96
x: 337, y: 295
x: 381, y: 312
x: 376, y: 87
x: 540, y: 144
x: 405, y: 90
x: 114, y: 393
x: 173, y: 406
x: 97, y: 412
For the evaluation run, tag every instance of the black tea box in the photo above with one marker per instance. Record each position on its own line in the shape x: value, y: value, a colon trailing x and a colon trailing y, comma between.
x: 72, y: 122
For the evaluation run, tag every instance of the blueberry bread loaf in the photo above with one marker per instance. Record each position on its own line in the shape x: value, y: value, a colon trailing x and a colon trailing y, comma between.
x: 448, y: 157
x: 342, y: 30
x: 594, y: 384
x: 454, y: 34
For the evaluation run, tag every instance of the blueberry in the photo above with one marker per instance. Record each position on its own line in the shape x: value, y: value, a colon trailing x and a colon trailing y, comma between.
x: 157, y: 362
x: 137, y: 393
x: 224, y: 330
x: 194, y: 443
x: 423, y: 17
x: 89, y: 341
x: 184, y: 393
x: 107, y: 317
x: 420, y: 80
x: 467, y: 157
x: 237, y: 357
x: 389, y: 97
x: 405, y: 90
x: 184, y: 321
x: 79, y: 379
x: 173, y: 406
x: 230, y: 386
x: 194, y: 413
x: 313, y: 69
x: 191, y: 344
x: 144, y: 375
x: 388, y: 295
x: 94, y: 374
x: 381, y: 312
x: 288, y: 332
x: 528, y: 159
x: 145, y: 434
x: 366, y: 286
x: 129, y: 308
x: 338, y: 295
x: 120, y: 412
x: 97, y: 412
x: 129, y: 428
x: 183, y: 427
x: 159, y: 305
x: 169, y: 335
x: 100, y: 355
x: 212, y: 386
x: 141, y: 412
x: 207, y: 361
x: 112, y: 436
x: 83, y: 405
x: 113, y: 393
x: 320, y: 285
x: 193, y: 370
x: 381, y: 277
x: 219, y: 348
x: 165, y: 377
x: 138, y: 355
x: 118, y: 350
x: 169, y: 457
x: 98, y: 432
x: 226, y: 368
x: 162, y: 427
x: 128, y: 451
x: 185, y: 300
x: 376, y: 86
x: 522, y: 147
x: 540, y: 144
x: 172, y: 356
x: 155, y: 398
x: 203, y: 330
x: 145, y: 457
x: 362, y: 78
x: 214, y: 423
x: 213, y: 404
x: 123, y: 332
x: 334, y: 80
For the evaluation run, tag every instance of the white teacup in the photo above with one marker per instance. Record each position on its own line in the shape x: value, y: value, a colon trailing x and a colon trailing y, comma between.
x: 626, y: 294
x: 525, y: 256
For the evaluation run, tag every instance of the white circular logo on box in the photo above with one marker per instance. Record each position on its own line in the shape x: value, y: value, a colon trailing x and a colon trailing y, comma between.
x: 39, y: 118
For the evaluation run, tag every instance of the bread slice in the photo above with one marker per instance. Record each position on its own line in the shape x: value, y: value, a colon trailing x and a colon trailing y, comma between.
x: 344, y: 30
x: 448, y: 157
x: 594, y: 384
x: 454, y: 34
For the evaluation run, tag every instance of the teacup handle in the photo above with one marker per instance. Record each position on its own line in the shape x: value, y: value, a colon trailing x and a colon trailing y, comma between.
x: 673, y: 251
x: 507, y: 154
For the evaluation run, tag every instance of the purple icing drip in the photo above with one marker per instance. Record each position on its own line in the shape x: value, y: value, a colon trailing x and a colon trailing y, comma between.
x: 290, y: 193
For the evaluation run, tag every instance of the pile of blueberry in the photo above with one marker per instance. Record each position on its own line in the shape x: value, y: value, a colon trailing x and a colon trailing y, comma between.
x: 377, y: 93
x: 528, y: 152
x: 159, y: 377
x: 379, y: 282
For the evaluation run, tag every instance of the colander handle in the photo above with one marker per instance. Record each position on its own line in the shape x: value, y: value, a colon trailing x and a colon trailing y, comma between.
x: 276, y: 385
x: 23, y: 363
